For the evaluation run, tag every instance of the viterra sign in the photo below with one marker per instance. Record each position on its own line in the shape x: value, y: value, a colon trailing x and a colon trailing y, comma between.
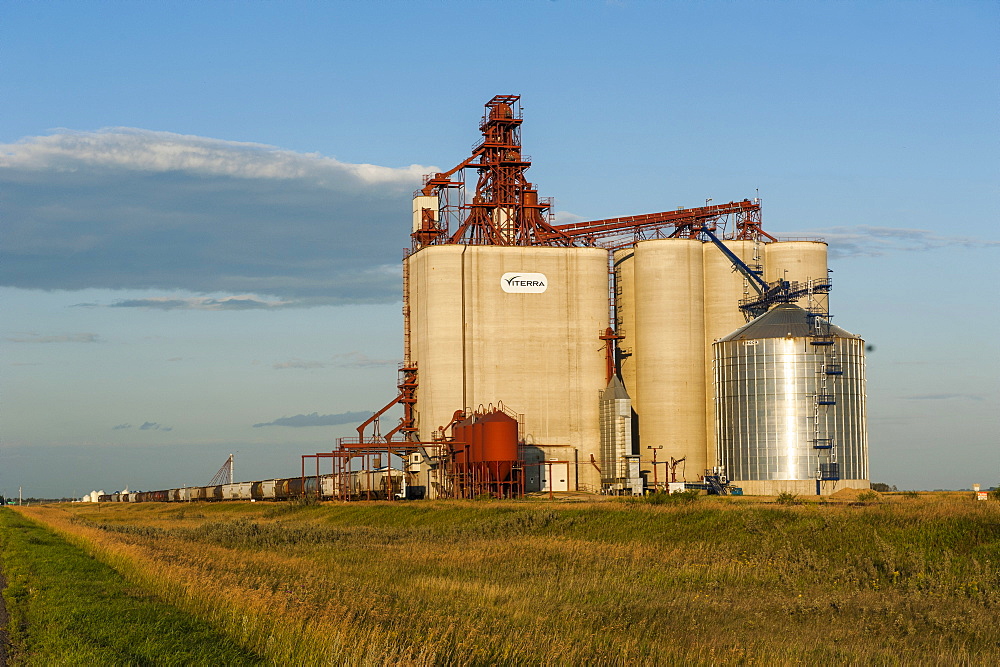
x: 520, y: 283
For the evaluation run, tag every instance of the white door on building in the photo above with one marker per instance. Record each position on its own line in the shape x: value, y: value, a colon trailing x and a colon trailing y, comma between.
x: 557, y: 473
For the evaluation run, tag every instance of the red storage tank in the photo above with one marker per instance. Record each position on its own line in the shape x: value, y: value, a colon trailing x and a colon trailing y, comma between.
x: 498, y: 443
x: 463, y: 434
x: 476, y: 444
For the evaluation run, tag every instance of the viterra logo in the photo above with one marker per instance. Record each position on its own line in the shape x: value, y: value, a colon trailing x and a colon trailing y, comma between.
x: 521, y: 283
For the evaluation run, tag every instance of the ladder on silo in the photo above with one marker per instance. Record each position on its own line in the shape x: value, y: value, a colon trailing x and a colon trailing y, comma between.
x: 756, y: 267
x: 829, y: 368
x: 621, y: 353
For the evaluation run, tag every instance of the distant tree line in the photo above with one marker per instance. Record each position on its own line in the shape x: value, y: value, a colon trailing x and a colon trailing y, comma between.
x: 882, y: 487
x: 35, y: 501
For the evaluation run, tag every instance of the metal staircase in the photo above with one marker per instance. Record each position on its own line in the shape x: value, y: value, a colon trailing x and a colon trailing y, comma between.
x: 828, y: 370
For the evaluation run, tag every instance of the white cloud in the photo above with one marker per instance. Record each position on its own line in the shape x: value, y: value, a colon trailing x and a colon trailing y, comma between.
x: 146, y: 150
x: 134, y: 209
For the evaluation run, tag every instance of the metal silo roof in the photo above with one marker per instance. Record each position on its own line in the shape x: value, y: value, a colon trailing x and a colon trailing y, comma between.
x: 615, y: 391
x: 786, y: 320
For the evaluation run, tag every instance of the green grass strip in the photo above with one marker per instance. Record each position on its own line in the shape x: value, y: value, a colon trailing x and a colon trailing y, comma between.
x: 66, y: 608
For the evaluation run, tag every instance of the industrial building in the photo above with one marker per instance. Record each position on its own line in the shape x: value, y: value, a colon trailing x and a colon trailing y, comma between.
x: 653, y: 352
x: 623, y: 346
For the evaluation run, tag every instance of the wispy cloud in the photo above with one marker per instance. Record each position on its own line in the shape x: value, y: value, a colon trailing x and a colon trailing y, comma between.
x: 567, y: 218
x: 360, y: 360
x: 153, y: 426
x: 124, y: 208
x: 944, y: 397
x: 146, y: 426
x: 298, y: 364
x: 344, y: 360
x: 202, y: 303
x: 867, y: 241
x: 316, y: 419
x: 61, y: 338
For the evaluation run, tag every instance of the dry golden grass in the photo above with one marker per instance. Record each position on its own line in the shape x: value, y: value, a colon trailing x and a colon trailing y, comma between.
x: 896, y: 580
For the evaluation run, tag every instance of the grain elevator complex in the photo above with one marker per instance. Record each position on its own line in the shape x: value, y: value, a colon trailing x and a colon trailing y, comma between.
x: 653, y: 352
x: 684, y: 346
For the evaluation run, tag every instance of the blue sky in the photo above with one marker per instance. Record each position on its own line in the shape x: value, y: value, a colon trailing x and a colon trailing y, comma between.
x: 203, y: 205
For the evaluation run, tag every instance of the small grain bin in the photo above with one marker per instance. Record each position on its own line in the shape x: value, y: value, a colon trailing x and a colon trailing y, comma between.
x: 790, y: 405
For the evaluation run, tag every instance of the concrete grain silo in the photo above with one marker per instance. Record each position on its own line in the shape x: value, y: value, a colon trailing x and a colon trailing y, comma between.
x: 725, y: 287
x: 662, y: 301
x: 801, y: 262
x: 516, y: 325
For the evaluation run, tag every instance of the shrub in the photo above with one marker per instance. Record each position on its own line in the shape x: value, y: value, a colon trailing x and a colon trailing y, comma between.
x: 786, y: 498
x: 658, y: 498
x: 688, y: 496
x: 867, y: 496
x: 663, y: 498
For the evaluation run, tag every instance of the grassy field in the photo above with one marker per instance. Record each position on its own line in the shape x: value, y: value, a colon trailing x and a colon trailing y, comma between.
x: 68, y: 609
x: 902, y: 579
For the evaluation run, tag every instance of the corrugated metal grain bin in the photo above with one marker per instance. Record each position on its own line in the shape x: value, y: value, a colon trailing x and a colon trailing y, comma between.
x: 791, y: 401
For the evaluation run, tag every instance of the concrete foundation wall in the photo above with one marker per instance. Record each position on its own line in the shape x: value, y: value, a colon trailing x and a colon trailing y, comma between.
x: 798, y: 487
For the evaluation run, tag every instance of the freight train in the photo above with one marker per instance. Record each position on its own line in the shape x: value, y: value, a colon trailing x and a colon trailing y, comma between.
x: 363, y: 485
